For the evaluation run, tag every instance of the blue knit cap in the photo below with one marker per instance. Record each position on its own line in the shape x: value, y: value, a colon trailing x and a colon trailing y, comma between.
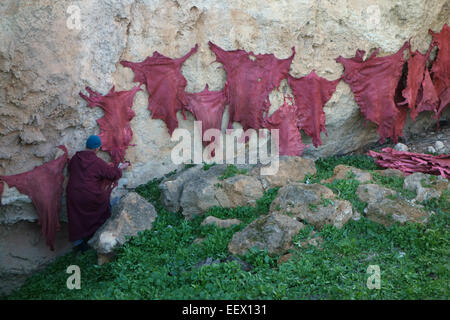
x: 93, y: 142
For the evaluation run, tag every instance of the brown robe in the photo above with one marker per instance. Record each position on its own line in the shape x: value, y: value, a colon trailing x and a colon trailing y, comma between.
x: 88, y: 193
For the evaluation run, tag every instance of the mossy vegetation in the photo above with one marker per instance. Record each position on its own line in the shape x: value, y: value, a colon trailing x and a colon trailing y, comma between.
x: 159, y: 263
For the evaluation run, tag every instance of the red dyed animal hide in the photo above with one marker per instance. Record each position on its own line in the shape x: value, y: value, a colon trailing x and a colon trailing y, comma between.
x: 207, y: 107
x: 428, y: 99
x: 285, y: 119
x: 409, y: 162
x: 311, y: 94
x: 115, y: 130
x: 44, y: 185
x: 165, y: 85
x: 441, y: 67
x: 373, y: 83
x: 250, y: 79
x: 416, y: 69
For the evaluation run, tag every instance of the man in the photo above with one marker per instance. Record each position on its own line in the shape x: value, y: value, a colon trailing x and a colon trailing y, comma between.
x: 88, y: 193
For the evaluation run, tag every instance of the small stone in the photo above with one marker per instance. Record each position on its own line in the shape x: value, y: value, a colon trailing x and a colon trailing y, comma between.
x: 198, y: 240
x: 440, y: 147
x: 244, y: 265
x: 401, y: 147
x: 207, y: 262
x: 284, y: 258
x: 316, y: 242
x: 221, y: 223
x: 430, y: 149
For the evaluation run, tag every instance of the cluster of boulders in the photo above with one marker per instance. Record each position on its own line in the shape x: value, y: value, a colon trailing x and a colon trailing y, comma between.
x: 195, y: 190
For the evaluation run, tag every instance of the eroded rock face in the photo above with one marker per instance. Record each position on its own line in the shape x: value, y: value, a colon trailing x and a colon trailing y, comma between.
x: 313, y: 203
x: 52, y: 51
x: 131, y: 215
x: 273, y: 232
x: 23, y: 251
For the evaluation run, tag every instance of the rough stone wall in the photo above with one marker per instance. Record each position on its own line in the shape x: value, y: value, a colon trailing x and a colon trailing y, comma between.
x: 44, y: 64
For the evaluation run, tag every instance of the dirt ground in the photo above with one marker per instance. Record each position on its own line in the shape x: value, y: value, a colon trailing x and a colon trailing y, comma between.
x: 420, y: 142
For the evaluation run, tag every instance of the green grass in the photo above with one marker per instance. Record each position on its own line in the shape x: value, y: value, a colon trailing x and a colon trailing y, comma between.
x: 206, y: 166
x: 158, y: 263
x: 231, y: 171
x: 325, y: 166
x: 394, y: 183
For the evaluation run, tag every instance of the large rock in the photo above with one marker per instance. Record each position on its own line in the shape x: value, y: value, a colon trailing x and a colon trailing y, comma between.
x: 386, y: 206
x: 203, y: 193
x: 172, y: 187
x: 291, y: 169
x: 242, y: 190
x: 198, y: 196
x: 426, y: 186
x: 313, y: 203
x: 273, y: 232
x: 131, y: 215
x: 374, y: 193
x: 342, y: 171
x: 389, y: 211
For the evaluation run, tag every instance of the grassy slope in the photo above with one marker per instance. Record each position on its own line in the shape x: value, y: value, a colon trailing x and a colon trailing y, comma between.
x: 157, y: 264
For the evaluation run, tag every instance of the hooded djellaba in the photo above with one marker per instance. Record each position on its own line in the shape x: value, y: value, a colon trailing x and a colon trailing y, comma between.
x: 88, y: 193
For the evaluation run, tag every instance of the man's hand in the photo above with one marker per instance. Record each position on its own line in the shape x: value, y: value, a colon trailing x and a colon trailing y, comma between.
x: 124, y: 166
